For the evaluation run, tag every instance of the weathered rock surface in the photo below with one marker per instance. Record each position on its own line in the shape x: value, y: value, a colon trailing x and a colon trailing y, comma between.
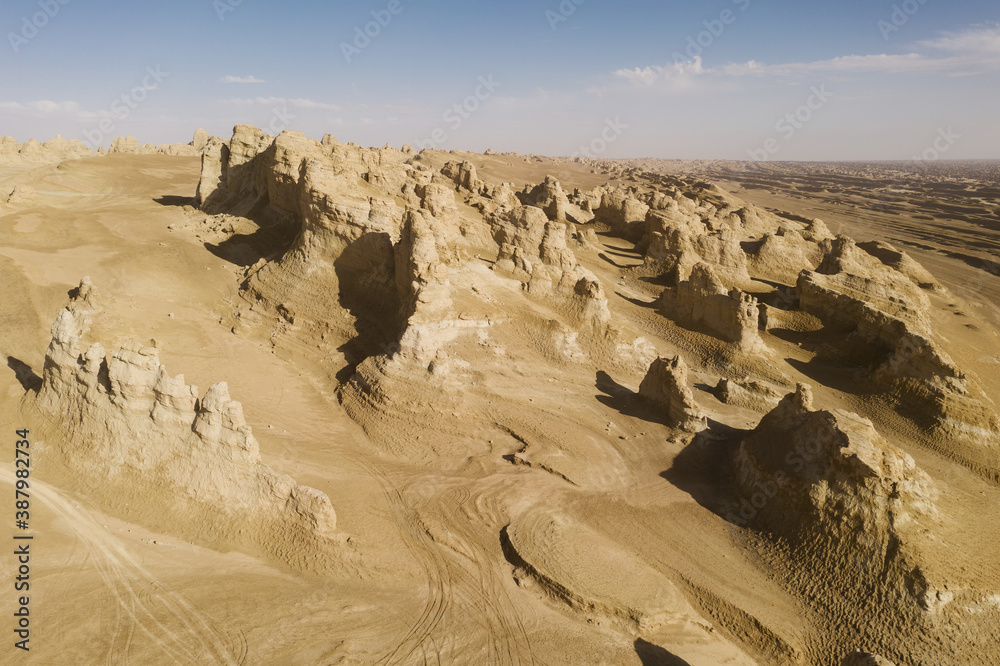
x: 782, y: 256
x: 550, y: 197
x: 903, y: 263
x: 678, y: 251
x: 132, y: 431
x: 748, y: 394
x: 424, y: 291
x: 865, y: 488
x: 704, y: 303
x: 535, y: 250
x: 465, y: 176
x: 830, y: 484
x: 666, y: 385
x: 623, y: 213
x: 885, y: 319
x: 33, y: 152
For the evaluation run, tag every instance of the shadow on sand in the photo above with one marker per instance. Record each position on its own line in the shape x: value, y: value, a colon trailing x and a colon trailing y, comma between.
x: 654, y: 655
x: 25, y: 375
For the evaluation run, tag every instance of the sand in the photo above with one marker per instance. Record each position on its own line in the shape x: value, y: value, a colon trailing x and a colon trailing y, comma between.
x: 527, y: 506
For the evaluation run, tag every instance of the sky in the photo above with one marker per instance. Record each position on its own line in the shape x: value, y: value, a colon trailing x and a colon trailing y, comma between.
x: 724, y: 79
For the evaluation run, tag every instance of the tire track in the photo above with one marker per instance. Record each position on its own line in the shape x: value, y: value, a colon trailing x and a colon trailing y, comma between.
x: 191, y: 640
x: 463, y: 581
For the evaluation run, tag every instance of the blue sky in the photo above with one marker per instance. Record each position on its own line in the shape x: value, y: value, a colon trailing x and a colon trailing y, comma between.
x: 727, y: 79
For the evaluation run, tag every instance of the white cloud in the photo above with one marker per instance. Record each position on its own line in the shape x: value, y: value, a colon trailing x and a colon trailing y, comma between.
x: 965, y: 52
x: 981, y: 40
x: 297, y: 102
x: 679, y: 75
x: 43, y: 107
x: 241, y: 79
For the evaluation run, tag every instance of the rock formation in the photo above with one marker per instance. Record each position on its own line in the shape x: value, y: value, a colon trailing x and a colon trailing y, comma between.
x: 869, y: 487
x: 831, y: 485
x: 858, y: 275
x: 126, y: 145
x: 424, y: 290
x: 464, y: 175
x: 903, y: 263
x: 748, y: 394
x: 705, y: 304
x: 623, y: 213
x: 666, y: 386
x: 129, y: 145
x: 147, y: 446
x: 535, y: 251
x: 200, y: 140
x: 550, y: 197
x: 885, y: 322
x: 677, y: 252
x: 782, y: 256
x: 32, y: 152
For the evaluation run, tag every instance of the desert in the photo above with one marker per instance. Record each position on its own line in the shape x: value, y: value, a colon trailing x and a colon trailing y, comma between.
x: 480, y: 416
x: 272, y: 395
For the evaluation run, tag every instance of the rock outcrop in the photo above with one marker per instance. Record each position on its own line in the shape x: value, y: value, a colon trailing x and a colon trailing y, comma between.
x: 884, y: 318
x: 858, y: 275
x: 869, y: 488
x: 126, y: 145
x: 666, y: 385
x: 553, y: 200
x: 200, y: 140
x: 828, y: 483
x: 534, y: 250
x: 782, y: 256
x: 623, y: 213
x: 129, y: 145
x: 748, y: 394
x: 145, y: 445
x: 705, y: 304
x: 33, y: 152
x: 677, y: 251
x: 465, y: 176
x: 424, y: 291
x: 902, y: 263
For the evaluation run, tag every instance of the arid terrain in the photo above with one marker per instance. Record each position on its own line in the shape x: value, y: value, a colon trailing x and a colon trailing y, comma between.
x: 302, y: 402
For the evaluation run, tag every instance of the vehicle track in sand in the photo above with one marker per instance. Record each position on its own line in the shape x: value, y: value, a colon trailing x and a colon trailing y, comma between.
x: 142, y: 599
x: 462, y: 583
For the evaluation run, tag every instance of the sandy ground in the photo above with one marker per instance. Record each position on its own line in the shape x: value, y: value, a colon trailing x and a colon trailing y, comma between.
x: 436, y: 586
